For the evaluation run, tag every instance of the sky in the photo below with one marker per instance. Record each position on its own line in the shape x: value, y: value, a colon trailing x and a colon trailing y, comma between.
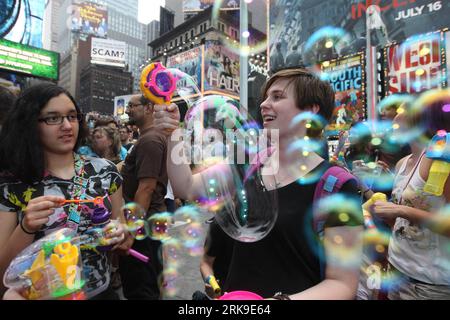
x: 149, y: 10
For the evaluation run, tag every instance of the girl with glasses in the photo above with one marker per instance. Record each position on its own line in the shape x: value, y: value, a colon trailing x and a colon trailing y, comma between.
x: 40, y: 169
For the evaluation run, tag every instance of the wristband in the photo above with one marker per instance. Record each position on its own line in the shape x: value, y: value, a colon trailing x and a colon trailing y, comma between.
x: 23, y: 228
x: 281, y: 296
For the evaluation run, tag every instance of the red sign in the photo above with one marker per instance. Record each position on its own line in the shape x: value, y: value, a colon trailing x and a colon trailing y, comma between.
x: 415, y: 65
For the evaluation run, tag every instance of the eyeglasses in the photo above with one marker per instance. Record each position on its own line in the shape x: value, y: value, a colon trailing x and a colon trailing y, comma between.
x: 55, y: 120
x: 132, y: 105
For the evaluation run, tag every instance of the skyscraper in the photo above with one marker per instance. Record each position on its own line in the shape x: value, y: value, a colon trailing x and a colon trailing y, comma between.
x: 127, y: 7
x: 124, y: 27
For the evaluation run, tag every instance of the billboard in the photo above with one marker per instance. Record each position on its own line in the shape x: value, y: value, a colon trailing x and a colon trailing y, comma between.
x: 90, y: 19
x: 120, y: 103
x: 189, y: 62
x: 22, y: 21
x: 346, y: 76
x: 221, y: 71
x: 29, y: 60
x: 191, y: 6
x: 108, y: 52
x: 447, y: 53
x: 292, y: 23
x: 415, y: 65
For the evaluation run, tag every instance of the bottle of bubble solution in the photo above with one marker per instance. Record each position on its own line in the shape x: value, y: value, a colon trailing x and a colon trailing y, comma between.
x: 437, y: 177
x: 100, y: 219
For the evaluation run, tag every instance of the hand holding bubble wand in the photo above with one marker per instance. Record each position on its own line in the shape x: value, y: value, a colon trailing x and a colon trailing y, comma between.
x: 98, y: 239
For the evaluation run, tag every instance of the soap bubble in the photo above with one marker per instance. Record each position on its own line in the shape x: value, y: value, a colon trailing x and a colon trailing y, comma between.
x: 135, y: 217
x: 158, y: 225
x: 222, y: 145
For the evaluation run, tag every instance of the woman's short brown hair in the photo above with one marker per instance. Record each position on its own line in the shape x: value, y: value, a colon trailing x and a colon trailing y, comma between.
x: 309, y: 90
x: 113, y: 135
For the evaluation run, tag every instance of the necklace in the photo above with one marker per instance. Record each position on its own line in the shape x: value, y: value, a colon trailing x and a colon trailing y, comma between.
x: 77, y: 191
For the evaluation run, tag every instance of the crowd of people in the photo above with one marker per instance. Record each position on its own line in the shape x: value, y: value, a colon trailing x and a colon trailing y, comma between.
x: 50, y: 151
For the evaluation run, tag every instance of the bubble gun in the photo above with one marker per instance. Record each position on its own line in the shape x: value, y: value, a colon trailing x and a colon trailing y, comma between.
x: 439, y: 151
x: 157, y: 84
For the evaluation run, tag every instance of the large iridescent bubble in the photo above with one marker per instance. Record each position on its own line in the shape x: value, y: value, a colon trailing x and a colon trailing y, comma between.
x: 187, y: 86
x: 224, y: 148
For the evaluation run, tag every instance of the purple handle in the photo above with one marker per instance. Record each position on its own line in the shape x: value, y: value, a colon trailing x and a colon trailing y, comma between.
x: 138, y: 255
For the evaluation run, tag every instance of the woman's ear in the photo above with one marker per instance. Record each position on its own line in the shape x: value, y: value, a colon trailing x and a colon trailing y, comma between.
x: 315, y: 108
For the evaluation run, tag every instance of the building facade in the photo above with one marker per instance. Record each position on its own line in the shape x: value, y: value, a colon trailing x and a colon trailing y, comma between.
x: 127, y: 7
x: 124, y: 27
x: 99, y: 85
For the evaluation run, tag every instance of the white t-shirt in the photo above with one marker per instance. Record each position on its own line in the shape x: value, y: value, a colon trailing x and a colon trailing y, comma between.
x: 415, y: 250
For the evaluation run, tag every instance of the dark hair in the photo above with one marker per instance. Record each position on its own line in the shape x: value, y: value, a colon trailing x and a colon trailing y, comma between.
x: 126, y: 127
x: 309, y: 90
x: 7, y: 99
x: 21, y: 152
x: 145, y: 101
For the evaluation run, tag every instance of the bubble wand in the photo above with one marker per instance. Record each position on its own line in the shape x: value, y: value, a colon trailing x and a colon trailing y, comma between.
x: 96, y: 201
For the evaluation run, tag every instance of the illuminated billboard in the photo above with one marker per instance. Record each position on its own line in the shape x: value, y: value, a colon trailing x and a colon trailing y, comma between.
x: 28, y: 60
x: 22, y: 21
x: 221, y: 69
x: 108, y: 52
x: 292, y: 24
x: 90, y: 19
x: 191, y: 6
x: 347, y: 79
x: 415, y: 65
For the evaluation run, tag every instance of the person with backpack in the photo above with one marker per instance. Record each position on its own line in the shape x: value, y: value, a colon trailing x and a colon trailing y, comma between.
x: 283, y: 265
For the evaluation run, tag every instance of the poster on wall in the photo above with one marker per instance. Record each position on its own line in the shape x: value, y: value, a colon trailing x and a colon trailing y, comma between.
x: 346, y: 76
x: 120, y: 104
x: 414, y: 65
x: 292, y: 23
x: 221, y: 69
x: 189, y: 62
